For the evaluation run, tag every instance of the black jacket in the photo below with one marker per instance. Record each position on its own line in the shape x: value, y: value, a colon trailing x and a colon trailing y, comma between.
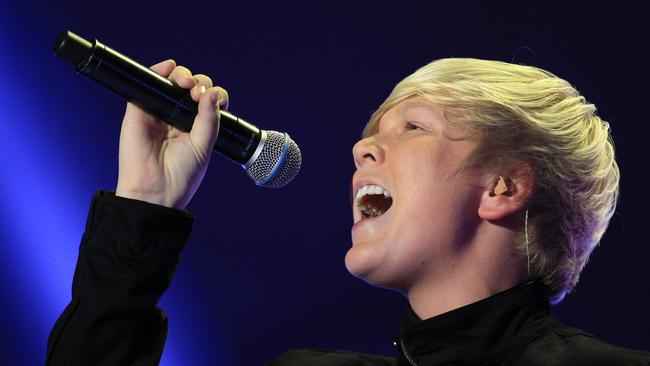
x: 130, y: 250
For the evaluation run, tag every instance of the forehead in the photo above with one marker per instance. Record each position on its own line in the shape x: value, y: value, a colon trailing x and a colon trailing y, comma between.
x: 417, y: 105
x: 414, y: 108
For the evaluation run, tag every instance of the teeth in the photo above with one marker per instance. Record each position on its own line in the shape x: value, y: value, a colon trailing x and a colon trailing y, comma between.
x: 372, y: 208
x: 360, y: 193
x: 371, y: 189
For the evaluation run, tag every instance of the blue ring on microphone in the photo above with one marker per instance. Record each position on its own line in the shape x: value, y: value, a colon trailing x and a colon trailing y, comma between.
x: 277, y: 166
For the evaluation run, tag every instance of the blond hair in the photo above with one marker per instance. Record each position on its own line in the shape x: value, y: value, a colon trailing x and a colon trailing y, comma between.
x: 525, y: 114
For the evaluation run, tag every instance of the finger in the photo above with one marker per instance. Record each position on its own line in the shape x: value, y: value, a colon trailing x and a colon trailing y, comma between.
x: 197, y: 91
x: 164, y: 68
x: 206, y: 125
x: 182, y: 77
x: 203, y: 83
x: 204, y: 79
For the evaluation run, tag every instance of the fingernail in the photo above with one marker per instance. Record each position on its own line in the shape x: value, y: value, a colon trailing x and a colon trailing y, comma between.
x: 202, y: 89
x: 214, y: 98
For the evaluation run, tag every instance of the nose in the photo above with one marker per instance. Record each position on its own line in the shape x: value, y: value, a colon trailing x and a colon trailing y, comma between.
x: 366, y: 151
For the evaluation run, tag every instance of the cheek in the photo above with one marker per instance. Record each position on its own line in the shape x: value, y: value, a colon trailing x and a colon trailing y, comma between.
x: 426, y: 222
x: 438, y: 221
x: 434, y: 201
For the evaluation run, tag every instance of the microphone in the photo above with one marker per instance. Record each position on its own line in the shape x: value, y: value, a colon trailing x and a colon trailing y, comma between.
x: 272, y: 159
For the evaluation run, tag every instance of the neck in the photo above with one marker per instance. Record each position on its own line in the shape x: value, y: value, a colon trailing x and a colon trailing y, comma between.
x: 482, y: 269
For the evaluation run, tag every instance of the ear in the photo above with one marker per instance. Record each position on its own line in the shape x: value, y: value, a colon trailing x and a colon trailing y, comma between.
x: 508, y: 194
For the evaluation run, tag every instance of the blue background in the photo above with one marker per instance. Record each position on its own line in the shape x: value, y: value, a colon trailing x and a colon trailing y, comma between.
x: 263, y: 271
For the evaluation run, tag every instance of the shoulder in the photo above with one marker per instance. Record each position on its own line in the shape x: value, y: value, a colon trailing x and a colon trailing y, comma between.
x: 319, y: 357
x: 582, y: 346
x: 566, y: 346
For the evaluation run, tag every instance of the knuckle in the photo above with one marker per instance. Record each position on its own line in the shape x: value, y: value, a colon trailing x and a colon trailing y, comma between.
x: 204, y: 79
x: 223, y: 92
x: 180, y: 71
x: 183, y: 69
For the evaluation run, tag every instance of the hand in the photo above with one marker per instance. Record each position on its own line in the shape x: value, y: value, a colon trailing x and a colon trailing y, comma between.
x: 159, y: 163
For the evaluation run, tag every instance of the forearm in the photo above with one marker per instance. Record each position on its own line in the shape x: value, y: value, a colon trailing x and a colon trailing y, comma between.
x: 127, y: 258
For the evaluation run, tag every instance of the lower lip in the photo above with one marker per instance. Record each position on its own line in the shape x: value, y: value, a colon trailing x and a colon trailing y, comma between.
x: 362, y: 222
x: 367, y: 220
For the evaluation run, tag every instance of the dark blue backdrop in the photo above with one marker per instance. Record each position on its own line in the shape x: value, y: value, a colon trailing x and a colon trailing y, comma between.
x: 264, y: 269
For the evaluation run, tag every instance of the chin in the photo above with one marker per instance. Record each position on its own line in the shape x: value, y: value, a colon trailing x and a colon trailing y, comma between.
x: 367, y: 265
x: 357, y: 263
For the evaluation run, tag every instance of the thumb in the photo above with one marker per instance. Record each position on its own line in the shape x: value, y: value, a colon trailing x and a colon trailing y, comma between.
x: 206, y: 124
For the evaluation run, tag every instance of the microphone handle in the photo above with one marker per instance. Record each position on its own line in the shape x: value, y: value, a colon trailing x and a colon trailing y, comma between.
x: 237, y: 140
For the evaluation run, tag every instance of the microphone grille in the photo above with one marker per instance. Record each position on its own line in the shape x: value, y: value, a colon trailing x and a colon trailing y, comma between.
x: 278, y: 162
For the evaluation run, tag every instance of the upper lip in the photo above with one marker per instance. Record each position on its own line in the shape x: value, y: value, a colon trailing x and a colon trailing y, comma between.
x: 357, y: 183
x: 363, y: 181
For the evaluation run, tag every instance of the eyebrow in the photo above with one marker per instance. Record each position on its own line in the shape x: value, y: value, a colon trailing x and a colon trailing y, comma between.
x: 413, y: 105
x: 402, y: 111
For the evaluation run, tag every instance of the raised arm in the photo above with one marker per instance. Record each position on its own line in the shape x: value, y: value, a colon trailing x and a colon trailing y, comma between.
x: 133, y: 237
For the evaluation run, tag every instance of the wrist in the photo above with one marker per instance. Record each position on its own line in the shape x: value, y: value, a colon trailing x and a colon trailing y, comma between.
x: 146, y: 197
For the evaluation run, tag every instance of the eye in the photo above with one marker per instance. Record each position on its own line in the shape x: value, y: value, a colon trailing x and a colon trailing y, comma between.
x: 412, y: 126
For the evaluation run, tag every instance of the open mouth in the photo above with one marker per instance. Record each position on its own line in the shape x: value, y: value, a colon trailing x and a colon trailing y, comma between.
x: 373, y: 201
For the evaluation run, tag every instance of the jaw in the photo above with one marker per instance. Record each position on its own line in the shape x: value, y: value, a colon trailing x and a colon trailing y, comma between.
x: 370, y: 253
x: 374, y: 267
x: 389, y: 252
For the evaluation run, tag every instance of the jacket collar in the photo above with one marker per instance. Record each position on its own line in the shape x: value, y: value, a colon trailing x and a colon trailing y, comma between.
x: 484, y: 331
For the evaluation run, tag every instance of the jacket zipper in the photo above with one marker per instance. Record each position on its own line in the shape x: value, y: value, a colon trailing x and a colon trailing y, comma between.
x: 405, y: 353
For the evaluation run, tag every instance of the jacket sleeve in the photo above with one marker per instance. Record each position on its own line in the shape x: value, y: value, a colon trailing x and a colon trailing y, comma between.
x: 127, y: 257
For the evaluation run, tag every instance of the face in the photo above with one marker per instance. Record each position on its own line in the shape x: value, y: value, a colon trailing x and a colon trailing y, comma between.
x: 416, y: 156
